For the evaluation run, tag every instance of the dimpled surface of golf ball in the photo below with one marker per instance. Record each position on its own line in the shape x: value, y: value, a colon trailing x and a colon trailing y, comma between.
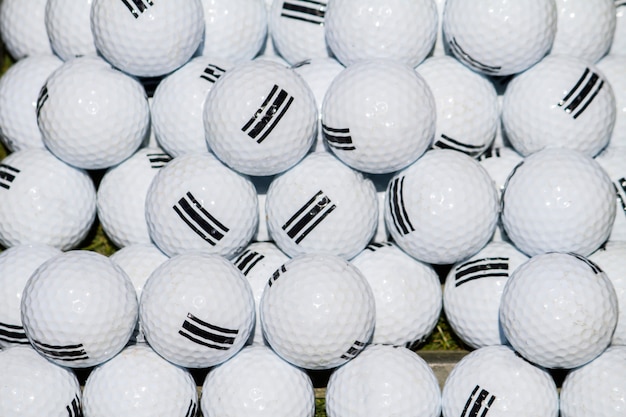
x: 165, y: 34
x: 23, y: 29
x: 611, y: 258
x: 17, y: 264
x: 378, y: 116
x: 394, y: 29
x: 384, y: 380
x: 318, y: 311
x: 560, y: 102
x: 559, y: 310
x: 618, y: 47
x: 261, y: 118
x: 197, y: 310
x: 499, y: 163
x: 466, y: 104
x: 612, y: 161
x: 143, y: 385
x: 321, y: 205
x: 31, y: 386
x: 497, y: 381
x: 472, y: 293
x: 558, y: 200
x: 19, y: 91
x: 498, y: 37
x: 79, y: 309
x: 585, y: 28
x: 597, y: 388
x: 612, y: 67
x: 443, y: 208
x: 197, y: 203
x: 235, y: 30
x: 258, y: 262
x: 121, y: 196
x: 407, y: 294
x: 178, y: 104
x: 69, y: 28
x: 36, y: 188
x: 91, y: 115
x: 257, y: 383
x: 297, y: 29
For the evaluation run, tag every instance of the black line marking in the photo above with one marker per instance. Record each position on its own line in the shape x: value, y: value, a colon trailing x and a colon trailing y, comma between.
x: 205, y: 334
x: 276, y: 275
x: 212, y: 73
x: 490, y: 69
x: 247, y: 260
x: 12, y: 333
x: 594, y: 267
x: 582, y: 94
x: 301, y: 64
x: 480, y: 402
x: 64, y: 352
x: 41, y: 100
x: 397, y: 207
x: 158, y: 160
x: 192, y: 409
x: 138, y: 6
x: 271, y: 114
x: 375, y: 246
x: 490, y: 153
x: 74, y: 409
x: 481, y: 268
x: 446, y: 142
x: 619, y: 3
x: 620, y: 189
x: 338, y: 138
x: 354, y: 350
x: 199, y: 220
x: 7, y: 175
x: 305, y: 11
x: 309, y: 216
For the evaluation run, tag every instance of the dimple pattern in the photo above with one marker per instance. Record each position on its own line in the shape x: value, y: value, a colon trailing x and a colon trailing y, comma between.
x: 197, y: 203
x: 257, y: 382
x: 407, y: 294
x: 559, y: 310
x: 618, y: 47
x: 498, y: 37
x: 321, y: 205
x: 318, y: 311
x: 23, y: 29
x: 36, y: 189
x: 69, y: 28
x: 19, y: 91
x: 612, y: 161
x: 612, y: 67
x: 558, y: 200
x: 378, y: 116
x: 121, y: 196
x: 443, y: 208
x: 142, y: 384
x: 197, y: 310
x: 261, y: 118
x: 91, y: 115
x: 384, y: 381
x: 497, y: 381
x: 396, y: 29
x: 147, y: 38
x: 79, y: 309
x: 560, y: 102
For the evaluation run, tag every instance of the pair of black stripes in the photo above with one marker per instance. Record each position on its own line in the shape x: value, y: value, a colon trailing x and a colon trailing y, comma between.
x: 458, y: 51
x: 137, y: 7
x: 582, y: 94
x: 198, y: 219
x: 309, y: 11
x: 267, y: 117
x: 68, y: 353
x: 620, y: 189
x: 7, y: 175
x: 158, y: 160
x: 41, y: 100
x: 478, y: 403
x: 206, y: 334
x: 446, y: 142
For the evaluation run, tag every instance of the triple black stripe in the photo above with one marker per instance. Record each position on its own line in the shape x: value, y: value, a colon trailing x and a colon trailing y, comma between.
x: 446, y: 142
x: 268, y: 115
x: 7, y: 175
x: 276, y: 275
x: 199, y: 220
x: 68, y: 353
x: 137, y: 7
x: 205, y: 334
x: 41, y: 100
x: 212, y: 73
x: 247, y: 260
x: 338, y: 138
x: 74, y: 409
x: 192, y: 409
x: 620, y: 189
x: 158, y: 160
x: 481, y: 268
x: 12, y: 333
x: 305, y: 10
x: 458, y: 51
x: 354, y: 350
x: 479, y: 401
x: 375, y: 246
x: 582, y: 94
x: 490, y: 153
x: 594, y: 267
x: 309, y: 216
x: 397, y: 207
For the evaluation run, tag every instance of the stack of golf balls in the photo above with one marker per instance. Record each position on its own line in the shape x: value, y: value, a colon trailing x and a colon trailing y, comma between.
x: 283, y: 179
